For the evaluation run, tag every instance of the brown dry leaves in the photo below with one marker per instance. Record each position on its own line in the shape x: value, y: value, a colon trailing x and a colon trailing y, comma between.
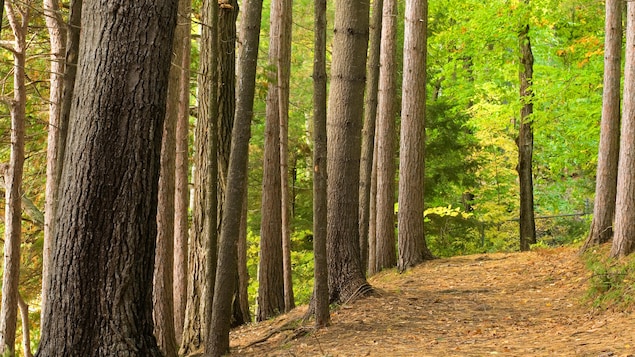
x: 519, y: 304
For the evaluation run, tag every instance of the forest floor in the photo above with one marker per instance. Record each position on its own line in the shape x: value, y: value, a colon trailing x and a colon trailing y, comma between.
x: 509, y: 304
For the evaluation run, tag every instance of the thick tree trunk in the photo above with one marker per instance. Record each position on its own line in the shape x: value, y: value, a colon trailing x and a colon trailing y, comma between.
x: 346, y: 100
x: 624, y: 239
x: 412, y: 242
x: 202, y: 244
x: 320, y: 286
x: 385, y: 140
x: 103, y: 266
x: 270, y: 267
x: 284, y: 75
x: 606, y: 180
x: 13, y: 181
x: 368, y: 131
x: 218, y: 334
x: 181, y: 201
x: 163, y: 298
x: 57, y: 37
x: 526, y: 141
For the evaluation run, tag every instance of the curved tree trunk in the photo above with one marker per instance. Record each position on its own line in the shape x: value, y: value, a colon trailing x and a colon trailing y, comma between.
x: 102, y: 268
x: 606, y: 180
x: 385, y: 140
x: 218, y: 334
x: 624, y: 239
x: 13, y: 181
x: 412, y: 242
x: 346, y: 100
x: 368, y: 131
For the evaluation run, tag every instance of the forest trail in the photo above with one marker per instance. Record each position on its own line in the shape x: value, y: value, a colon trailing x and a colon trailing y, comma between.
x: 508, y: 304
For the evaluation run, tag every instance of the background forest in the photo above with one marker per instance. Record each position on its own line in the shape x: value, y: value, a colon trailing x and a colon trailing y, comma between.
x: 472, y: 122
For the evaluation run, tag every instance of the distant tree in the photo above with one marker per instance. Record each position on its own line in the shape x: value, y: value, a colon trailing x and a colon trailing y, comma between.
x: 624, y: 239
x: 368, y: 130
x: 320, y: 286
x: 270, y: 269
x: 344, y: 118
x: 202, y: 242
x: 525, y: 140
x: 412, y: 243
x: 606, y: 179
x: 386, y: 255
x: 217, y: 343
x: 18, y: 15
x: 106, y: 223
x: 182, y: 189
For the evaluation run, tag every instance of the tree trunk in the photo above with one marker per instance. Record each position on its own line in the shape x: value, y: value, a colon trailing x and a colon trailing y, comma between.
x: 372, y: 223
x: 385, y: 221
x: 57, y: 37
x: 270, y: 267
x: 412, y: 243
x: 526, y: 141
x: 346, y: 100
x: 218, y: 334
x: 26, y: 333
x: 606, y: 180
x: 242, y: 298
x: 320, y: 286
x: 368, y: 131
x: 163, y: 298
x: 13, y: 181
x: 624, y: 239
x: 284, y: 76
x: 68, y: 87
x: 202, y: 244
x: 181, y: 202
x: 106, y: 226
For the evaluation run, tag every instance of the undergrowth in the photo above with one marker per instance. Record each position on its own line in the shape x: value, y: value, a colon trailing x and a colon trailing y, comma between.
x: 612, y: 282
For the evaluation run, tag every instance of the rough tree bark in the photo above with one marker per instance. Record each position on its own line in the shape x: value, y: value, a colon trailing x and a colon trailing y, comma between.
x: 270, y: 267
x: 368, y: 131
x: 606, y: 179
x: 624, y: 239
x: 320, y: 286
x: 218, y: 334
x: 412, y: 243
x: 344, y: 125
x: 181, y: 202
x: 385, y: 141
x: 102, y: 268
x: 18, y: 15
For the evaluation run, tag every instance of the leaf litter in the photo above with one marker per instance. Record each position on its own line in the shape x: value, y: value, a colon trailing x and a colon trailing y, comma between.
x: 507, y: 304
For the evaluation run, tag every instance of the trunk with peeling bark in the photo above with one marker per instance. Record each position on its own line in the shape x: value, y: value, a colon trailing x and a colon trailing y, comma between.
x: 102, y: 268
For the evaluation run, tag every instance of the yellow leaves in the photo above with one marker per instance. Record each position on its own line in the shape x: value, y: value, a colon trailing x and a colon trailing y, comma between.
x: 446, y: 212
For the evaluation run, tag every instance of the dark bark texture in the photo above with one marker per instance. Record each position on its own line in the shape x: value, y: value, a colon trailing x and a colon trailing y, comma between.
x: 103, y: 264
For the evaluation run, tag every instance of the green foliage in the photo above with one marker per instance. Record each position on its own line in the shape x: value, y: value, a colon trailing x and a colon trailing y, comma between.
x: 612, y: 281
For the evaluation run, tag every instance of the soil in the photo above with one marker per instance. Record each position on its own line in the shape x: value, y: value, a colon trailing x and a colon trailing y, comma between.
x: 508, y: 304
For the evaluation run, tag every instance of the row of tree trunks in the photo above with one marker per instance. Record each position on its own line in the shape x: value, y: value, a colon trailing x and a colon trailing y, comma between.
x: 18, y: 15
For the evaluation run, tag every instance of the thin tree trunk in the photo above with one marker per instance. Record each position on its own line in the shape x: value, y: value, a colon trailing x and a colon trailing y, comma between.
x: 346, y: 100
x: 284, y: 76
x: 181, y: 202
x: 368, y: 131
x: 57, y: 37
x: 320, y: 286
x: 218, y: 334
x: 624, y: 239
x: 270, y: 268
x: 372, y: 223
x: 242, y: 300
x: 385, y: 209
x: 606, y: 180
x: 26, y: 326
x: 13, y: 182
x: 412, y: 243
x: 103, y: 266
x: 526, y: 141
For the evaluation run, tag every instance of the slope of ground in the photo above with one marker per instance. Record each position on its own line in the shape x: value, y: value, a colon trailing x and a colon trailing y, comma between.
x: 516, y: 304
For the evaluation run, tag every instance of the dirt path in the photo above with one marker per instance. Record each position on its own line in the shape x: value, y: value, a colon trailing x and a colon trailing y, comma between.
x: 520, y: 304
